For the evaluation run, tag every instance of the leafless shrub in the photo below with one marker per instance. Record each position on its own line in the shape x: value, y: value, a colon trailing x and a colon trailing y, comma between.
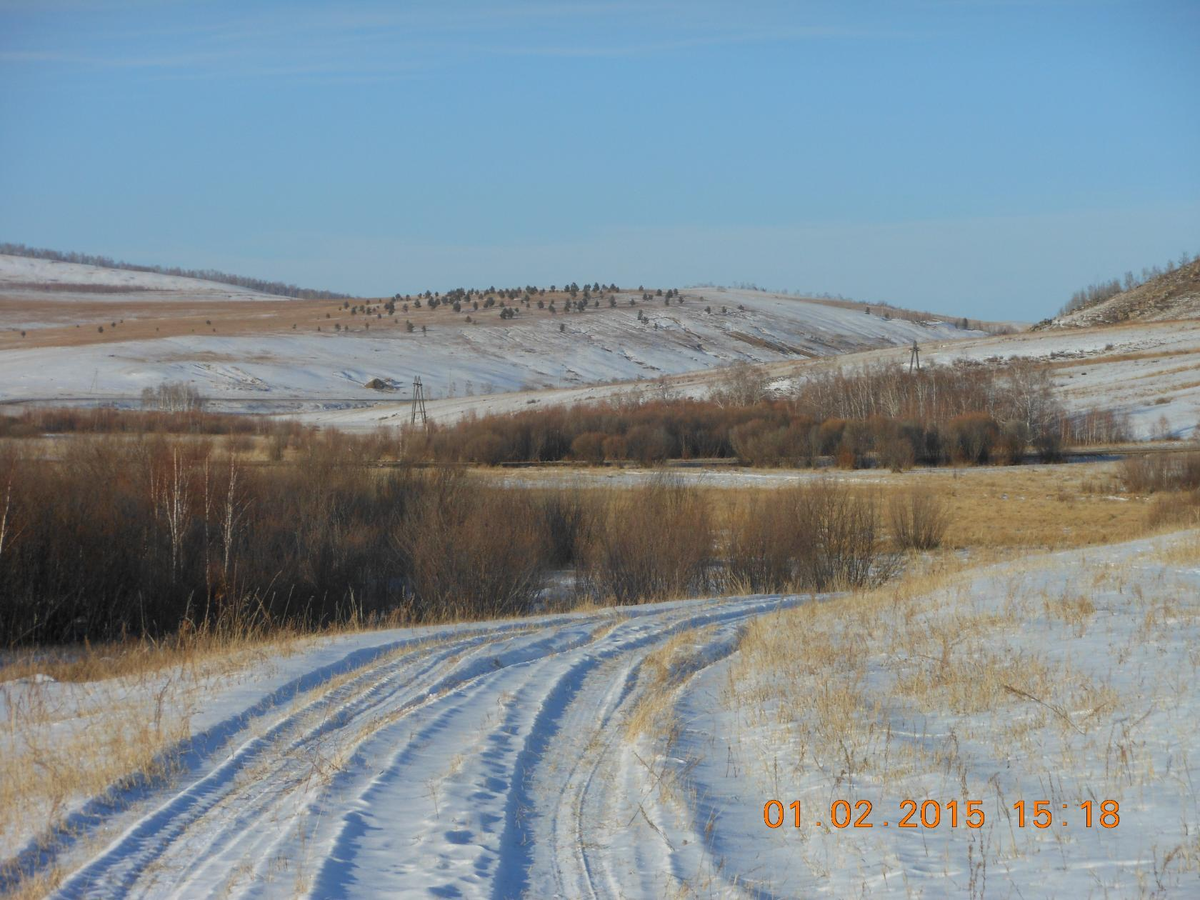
x: 589, y: 447
x: 472, y: 553
x: 918, y: 519
x: 1155, y: 472
x: 846, y: 536
x: 967, y: 413
x: 650, y: 544
x: 812, y: 537
x: 740, y: 385
x: 568, y: 518
x: 765, y: 543
x: 173, y: 396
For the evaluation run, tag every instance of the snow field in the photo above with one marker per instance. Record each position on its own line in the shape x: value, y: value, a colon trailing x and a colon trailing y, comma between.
x: 1068, y: 679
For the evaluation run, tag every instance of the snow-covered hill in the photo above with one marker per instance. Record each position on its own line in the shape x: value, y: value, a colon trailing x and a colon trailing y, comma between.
x: 712, y: 328
x: 18, y: 273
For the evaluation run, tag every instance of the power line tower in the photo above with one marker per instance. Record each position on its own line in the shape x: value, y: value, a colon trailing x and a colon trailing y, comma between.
x: 418, y: 404
x: 914, y: 358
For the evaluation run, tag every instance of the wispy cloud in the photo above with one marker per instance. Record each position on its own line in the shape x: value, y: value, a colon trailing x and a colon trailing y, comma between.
x: 634, y: 47
x: 377, y: 42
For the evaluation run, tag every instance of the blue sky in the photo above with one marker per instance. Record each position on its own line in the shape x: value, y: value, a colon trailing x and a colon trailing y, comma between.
x: 984, y: 158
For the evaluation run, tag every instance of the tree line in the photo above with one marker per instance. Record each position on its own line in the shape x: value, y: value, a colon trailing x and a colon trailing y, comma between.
x: 153, y: 536
x: 965, y: 413
x: 1106, y: 290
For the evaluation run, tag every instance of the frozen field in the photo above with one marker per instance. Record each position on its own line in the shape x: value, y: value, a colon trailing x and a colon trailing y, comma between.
x: 630, y: 752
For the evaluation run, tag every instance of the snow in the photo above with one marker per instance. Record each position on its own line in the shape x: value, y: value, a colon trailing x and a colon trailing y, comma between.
x: 1151, y: 371
x: 19, y: 271
x: 494, y: 760
x: 455, y: 360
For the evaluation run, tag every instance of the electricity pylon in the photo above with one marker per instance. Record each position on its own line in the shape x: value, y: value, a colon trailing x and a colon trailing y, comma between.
x: 418, y: 404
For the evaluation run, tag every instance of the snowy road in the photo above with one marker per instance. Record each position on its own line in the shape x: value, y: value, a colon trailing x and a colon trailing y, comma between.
x: 629, y: 752
x: 480, y: 764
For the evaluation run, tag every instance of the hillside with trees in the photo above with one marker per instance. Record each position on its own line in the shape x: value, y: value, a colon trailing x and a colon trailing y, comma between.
x: 1160, y: 293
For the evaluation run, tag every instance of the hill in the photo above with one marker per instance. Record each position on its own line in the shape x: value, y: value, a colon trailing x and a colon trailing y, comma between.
x: 1170, y: 295
x: 258, y: 285
x: 72, y: 333
x: 42, y: 279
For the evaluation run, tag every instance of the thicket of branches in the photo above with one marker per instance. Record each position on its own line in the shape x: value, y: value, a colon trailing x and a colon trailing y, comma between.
x: 144, y: 536
x: 255, y: 284
x: 967, y: 413
x: 134, y: 537
x: 185, y: 414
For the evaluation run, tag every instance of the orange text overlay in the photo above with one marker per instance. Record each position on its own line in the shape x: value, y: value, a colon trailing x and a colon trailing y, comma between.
x: 936, y: 814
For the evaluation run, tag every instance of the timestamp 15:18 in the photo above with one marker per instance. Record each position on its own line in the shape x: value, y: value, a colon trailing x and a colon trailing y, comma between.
x: 931, y: 814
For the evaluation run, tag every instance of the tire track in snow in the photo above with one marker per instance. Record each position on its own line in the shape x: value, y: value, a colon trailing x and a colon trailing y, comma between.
x: 224, y: 830
x: 514, y: 874
x: 194, y: 755
x: 580, y: 800
x: 119, y: 866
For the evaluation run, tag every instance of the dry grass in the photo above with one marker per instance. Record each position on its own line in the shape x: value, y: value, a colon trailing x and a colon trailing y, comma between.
x: 198, y: 652
x: 1034, y: 507
x: 1010, y: 508
x: 47, y: 768
x: 663, y: 670
x: 1051, y: 507
x: 935, y: 680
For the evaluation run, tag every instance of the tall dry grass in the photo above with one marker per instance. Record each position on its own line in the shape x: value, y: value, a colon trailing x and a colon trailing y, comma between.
x: 1174, y: 481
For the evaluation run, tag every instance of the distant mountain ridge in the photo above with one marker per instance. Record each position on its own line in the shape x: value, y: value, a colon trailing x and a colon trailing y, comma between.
x: 261, y: 285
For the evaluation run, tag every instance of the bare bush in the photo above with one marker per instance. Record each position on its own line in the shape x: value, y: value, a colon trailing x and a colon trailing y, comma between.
x: 765, y: 544
x: 471, y: 552
x: 589, y: 447
x: 568, y: 517
x: 740, y: 385
x: 1161, y: 472
x: 653, y: 543
x: 173, y: 396
x: 845, y: 532
x: 966, y: 413
x: 813, y: 537
x: 918, y: 519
